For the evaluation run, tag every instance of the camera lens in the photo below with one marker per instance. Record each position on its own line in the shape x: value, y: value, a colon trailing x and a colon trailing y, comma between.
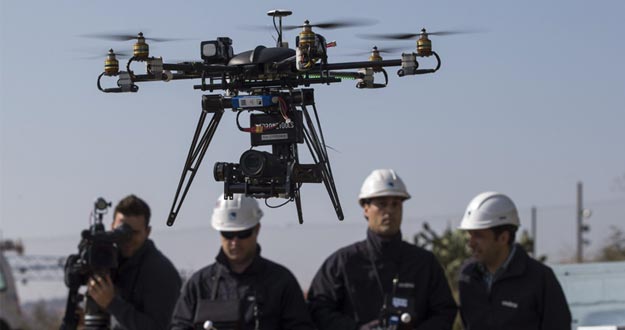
x: 252, y: 163
x: 218, y: 171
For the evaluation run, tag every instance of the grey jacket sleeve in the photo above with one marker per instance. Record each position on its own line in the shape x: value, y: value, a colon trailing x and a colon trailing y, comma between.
x: 184, y: 312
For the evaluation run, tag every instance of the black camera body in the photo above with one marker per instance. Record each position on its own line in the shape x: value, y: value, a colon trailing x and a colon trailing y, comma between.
x: 263, y: 174
x: 281, y: 120
x: 97, y: 255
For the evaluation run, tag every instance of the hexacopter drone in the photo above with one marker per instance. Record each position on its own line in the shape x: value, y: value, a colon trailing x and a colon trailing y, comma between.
x: 272, y: 83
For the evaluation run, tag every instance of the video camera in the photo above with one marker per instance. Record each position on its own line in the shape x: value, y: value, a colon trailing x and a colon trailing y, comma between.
x: 280, y: 120
x: 97, y: 255
x: 263, y: 174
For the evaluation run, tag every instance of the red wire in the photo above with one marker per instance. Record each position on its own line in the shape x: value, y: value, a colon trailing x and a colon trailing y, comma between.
x: 260, y: 129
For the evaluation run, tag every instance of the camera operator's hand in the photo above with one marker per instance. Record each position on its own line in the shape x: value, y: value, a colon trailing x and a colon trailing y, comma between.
x: 370, y: 326
x: 101, y: 289
x: 80, y: 314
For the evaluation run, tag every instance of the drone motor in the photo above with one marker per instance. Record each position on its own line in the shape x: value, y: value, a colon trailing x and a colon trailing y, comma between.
x: 375, y: 56
x: 424, y: 45
x: 311, y: 48
x: 141, y: 50
x: 111, y: 64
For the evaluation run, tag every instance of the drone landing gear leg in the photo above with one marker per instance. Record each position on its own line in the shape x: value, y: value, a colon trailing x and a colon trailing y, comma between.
x: 319, y: 154
x: 210, y: 104
x: 298, y: 205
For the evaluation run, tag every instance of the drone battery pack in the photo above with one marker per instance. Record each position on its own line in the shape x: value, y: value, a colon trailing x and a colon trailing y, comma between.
x: 284, y: 132
x: 252, y: 101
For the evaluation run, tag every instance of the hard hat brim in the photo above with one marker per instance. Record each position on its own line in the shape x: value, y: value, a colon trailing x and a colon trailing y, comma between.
x: 486, y: 224
x: 404, y: 196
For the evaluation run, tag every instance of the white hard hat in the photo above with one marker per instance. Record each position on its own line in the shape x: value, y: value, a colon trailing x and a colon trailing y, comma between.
x: 382, y: 183
x: 489, y: 209
x: 239, y: 213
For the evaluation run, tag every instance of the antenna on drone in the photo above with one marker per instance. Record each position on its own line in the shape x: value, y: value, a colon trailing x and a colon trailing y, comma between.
x: 279, y: 13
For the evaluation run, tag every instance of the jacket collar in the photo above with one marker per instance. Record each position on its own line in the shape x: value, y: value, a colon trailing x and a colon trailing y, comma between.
x: 254, y: 268
x: 502, y: 268
x: 384, y: 247
x: 136, y: 258
x: 515, y: 267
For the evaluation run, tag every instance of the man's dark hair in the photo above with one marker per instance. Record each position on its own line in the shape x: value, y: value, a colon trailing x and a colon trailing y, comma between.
x: 133, y: 206
x: 511, y: 229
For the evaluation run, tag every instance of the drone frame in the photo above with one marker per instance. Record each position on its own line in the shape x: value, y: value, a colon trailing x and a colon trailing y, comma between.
x: 264, y: 71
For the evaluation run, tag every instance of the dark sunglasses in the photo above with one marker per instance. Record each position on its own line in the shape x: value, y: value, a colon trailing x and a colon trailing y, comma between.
x: 242, y: 234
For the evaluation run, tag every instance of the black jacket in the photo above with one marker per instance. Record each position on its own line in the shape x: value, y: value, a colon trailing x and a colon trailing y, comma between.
x: 279, y: 298
x: 345, y: 293
x: 525, y: 296
x: 147, y: 286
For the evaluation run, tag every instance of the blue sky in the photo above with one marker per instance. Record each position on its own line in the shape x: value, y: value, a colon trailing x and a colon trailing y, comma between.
x: 529, y: 107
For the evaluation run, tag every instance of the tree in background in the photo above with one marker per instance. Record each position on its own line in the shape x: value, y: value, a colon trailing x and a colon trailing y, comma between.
x: 450, y: 248
x: 527, y: 242
x: 614, y: 249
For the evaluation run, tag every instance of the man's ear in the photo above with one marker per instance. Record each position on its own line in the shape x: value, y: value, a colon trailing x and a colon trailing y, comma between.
x: 113, y: 222
x: 148, y: 231
x: 504, y: 237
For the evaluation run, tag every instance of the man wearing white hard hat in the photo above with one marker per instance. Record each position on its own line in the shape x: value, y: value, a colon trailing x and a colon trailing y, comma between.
x: 381, y: 282
x: 502, y: 287
x: 241, y: 290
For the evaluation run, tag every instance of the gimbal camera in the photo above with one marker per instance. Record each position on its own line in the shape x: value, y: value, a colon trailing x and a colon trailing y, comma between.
x: 272, y: 82
x: 97, y: 254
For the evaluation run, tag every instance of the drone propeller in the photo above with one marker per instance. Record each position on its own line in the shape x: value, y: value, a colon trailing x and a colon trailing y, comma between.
x: 101, y: 55
x: 404, y: 36
x: 381, y: 50
x: 353, y: 22
x: 325, y: 25
x: 126, y: 37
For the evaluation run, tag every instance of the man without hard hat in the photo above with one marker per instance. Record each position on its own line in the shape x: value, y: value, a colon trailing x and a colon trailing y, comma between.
x: 501, y: 286
x: 381, y: 282
x: 241, y: 290
x: 142, y: 291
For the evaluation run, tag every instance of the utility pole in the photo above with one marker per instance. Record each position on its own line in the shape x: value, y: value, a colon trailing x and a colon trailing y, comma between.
x: 582, y: 214
x: 534, y: 231
x: 580, y: 210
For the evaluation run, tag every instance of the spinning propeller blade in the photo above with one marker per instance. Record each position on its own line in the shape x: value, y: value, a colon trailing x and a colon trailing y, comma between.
x: 344, y: 23
x: 125, y: 37
x: 404, y: 36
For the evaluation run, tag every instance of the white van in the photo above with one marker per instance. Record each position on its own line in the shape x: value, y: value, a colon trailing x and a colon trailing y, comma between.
x: 10, y: 313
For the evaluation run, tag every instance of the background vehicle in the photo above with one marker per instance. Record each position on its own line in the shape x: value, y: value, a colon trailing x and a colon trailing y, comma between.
x: 594, y: 292
x: 10, y: 313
